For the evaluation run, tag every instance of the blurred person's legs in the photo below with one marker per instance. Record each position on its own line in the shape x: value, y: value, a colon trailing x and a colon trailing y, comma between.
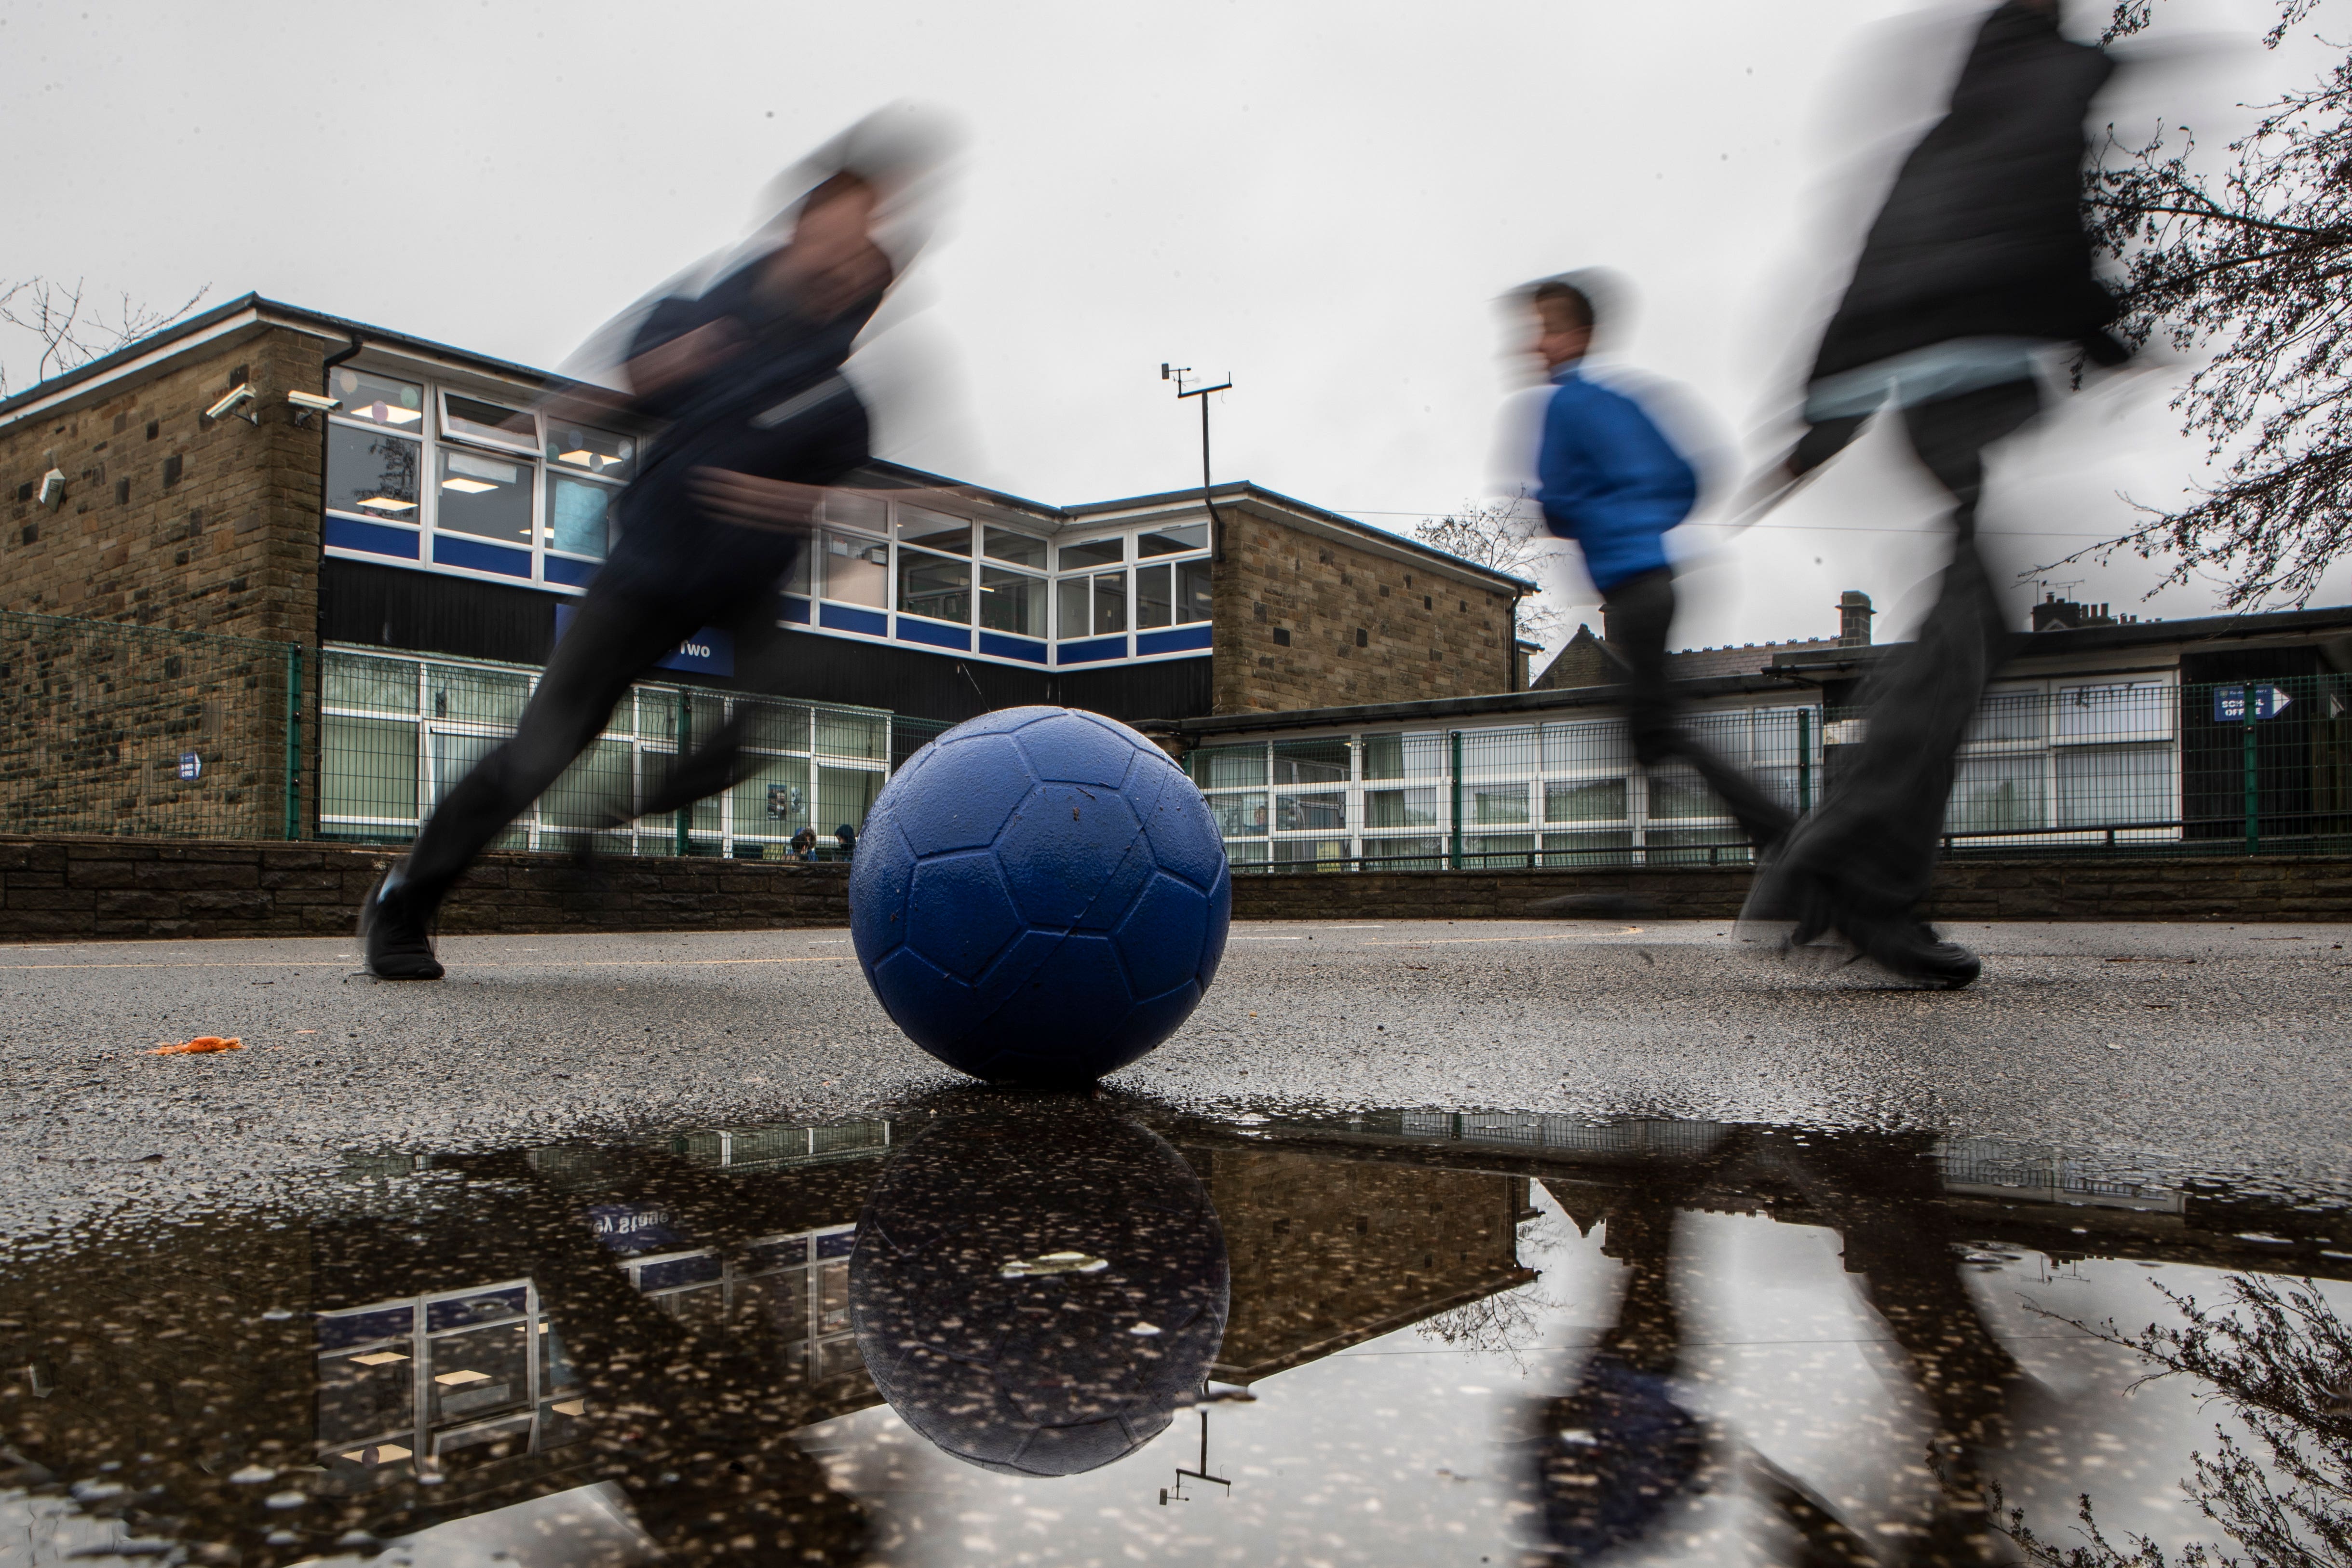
x: 613, y: 642
x: 1862, y: 864
x: 1636, y: 616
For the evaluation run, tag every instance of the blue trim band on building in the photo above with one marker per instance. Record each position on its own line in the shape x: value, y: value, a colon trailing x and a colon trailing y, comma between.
x: 1088, y: 652
x: 570, y: 574
x: 475, y: 557
x: 350, y: 533
x: 998, y: 645
x: 796, y: 610
x: 1183, y: 639
x: 842, y: 618
x: 912, y: 628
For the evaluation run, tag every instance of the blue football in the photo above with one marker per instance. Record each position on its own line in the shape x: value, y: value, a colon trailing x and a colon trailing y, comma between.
x: 1040, y: 896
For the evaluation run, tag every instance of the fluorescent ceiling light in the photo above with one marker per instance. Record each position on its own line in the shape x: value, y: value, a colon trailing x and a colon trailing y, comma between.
x: 469, y: 487
x: 387, y: 504
x: 385, y: 411
x: 582, y: 457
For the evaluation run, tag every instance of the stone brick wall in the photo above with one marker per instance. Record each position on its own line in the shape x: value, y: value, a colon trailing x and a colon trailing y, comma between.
x: 57, y: 890
x: 169, y: 520
x: 64, y: 889
x: 1307, y: 622
x: 171, y: 523
x: 2268, y: 888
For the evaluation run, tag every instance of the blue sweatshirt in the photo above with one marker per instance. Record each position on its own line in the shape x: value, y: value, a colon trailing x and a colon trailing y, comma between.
x: 1608, y: 478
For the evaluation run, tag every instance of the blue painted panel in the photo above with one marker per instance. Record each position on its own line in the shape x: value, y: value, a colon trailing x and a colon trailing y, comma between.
x: 796, y: 610
x: 913, y: 628
x: 844, y: 618
x: 350, y: 533
x: 1088, y: 652
x: 570, y: 574
x: 999, y: 646
x: 1183, y: 639
x: 476, y: 556
x: 707, y: 652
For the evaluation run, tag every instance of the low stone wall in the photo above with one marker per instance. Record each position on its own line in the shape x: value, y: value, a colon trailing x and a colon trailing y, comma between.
x: 2220, y: 887
x: 64, y: 889
x: 67, y: 888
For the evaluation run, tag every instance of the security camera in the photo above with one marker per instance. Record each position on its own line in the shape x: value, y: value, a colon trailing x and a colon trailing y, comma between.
x: 53, y: 488
x: 242, y: 393
x: 308, y: 403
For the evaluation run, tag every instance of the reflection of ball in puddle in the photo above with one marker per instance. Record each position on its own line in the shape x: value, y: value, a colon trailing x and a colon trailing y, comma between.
x: 1037, y: 1289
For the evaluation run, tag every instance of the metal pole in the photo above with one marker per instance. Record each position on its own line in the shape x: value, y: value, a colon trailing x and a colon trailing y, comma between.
x: 1453, y: 772
x: 294, y: 742
x: 685, y: 742
x: 1804, y: 762
x: 2253, y: 786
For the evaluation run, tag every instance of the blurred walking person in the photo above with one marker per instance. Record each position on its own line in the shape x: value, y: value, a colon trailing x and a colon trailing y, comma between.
x: 1609, y: 477
x: 1978, y: 263
x: 746, y: 374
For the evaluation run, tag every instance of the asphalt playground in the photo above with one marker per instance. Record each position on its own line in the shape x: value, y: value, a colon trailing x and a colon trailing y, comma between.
x: 2178, y: 1048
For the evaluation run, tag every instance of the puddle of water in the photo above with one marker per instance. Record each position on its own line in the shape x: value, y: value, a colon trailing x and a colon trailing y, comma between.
x: 1073, y: 1331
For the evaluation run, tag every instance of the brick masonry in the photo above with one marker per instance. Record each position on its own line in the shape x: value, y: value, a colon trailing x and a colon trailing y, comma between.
x: 63, y: 889
x: 68, y: 889
x: 1423, y: 634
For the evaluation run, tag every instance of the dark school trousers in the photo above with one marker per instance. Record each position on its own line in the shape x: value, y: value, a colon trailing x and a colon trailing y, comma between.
x: 612, y: 641
x: 1873, y: 844
x: 1635, y: 616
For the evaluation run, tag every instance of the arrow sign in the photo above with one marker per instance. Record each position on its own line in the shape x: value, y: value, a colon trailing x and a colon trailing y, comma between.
x: 2229, y: 703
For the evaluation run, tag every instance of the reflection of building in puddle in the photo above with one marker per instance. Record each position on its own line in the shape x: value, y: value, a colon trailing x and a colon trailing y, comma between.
x: 1329, y: 1253
x: 775, y: 1148
x: 793, y: 1288
x: 440, y: 1383
x: 1998, y: 1168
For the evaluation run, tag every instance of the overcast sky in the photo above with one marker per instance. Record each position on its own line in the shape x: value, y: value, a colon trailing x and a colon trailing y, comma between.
x: 1322, y: 201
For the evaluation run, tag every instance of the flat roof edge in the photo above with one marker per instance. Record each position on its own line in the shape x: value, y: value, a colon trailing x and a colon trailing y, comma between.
x: 1439, y: 708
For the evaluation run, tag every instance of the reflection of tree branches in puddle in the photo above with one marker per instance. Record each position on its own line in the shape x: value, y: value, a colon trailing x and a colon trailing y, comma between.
x: 2281, y: 1360
x: 1504, y: 1324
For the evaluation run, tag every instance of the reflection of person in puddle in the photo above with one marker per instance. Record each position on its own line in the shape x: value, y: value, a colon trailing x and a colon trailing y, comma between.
x: 1619, y: 1450
x: 1038, y: 1285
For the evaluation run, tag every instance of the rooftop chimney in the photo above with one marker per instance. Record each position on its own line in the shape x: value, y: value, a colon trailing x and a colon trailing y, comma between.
x: 1854, y: 620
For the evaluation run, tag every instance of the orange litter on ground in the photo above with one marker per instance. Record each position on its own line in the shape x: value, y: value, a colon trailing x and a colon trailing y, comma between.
x: 199, y: 1045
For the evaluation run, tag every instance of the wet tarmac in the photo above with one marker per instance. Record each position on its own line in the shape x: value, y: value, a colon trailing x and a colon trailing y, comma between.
x: 989, y: 1329
x: 900, y: 1322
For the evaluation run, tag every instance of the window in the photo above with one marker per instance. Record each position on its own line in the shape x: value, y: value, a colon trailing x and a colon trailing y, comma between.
x: 1019, y: 549
x: 934, y: 530
x: 1093, y: 552
x: 1997, y: 793
x: 934, y: 586
x: 1312, y: 761
x: 1191, y: 591
x: 851, y: 510
x: 1240, y: 815
x: 372, y: 473
x: 580, y: 516
x: 1172, y: 540
x: 1223, y: 767
x: 1592, y: 800
x: 378, y: 399
x: 1155, y: 596
x: 856, y: 570
x: 1093, y: 607
x: 2099, y: 786
x: 1400, y: 808
x: 1013, y: 602
x: 1321, y: 811
x: 1498, y: 805
x: 597, y: 452
x: 486, y: 497
x: 471, y: 419
x: 1404, y: 756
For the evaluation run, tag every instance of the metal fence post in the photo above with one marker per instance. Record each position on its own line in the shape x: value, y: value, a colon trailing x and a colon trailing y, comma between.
x: 2253, y: 787
x: 1804, y: 761
x: 1453, y: 775
x: 294, y: 740
x: 685, y: 844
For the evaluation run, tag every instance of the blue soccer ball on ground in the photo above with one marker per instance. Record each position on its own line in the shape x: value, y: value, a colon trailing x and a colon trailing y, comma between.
x: 1040, y: 896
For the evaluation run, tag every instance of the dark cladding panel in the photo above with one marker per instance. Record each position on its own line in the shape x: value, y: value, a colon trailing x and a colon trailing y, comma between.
x: 423, y: 612
x: 1171, y: 689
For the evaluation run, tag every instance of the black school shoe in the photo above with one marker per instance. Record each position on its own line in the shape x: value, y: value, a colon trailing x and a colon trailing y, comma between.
x: 397, y: 935
x: 1803, y: 916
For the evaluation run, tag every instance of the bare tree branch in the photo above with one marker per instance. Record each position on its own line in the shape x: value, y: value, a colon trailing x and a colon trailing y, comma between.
x: 69, y: 336
x: 1502, y: 536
